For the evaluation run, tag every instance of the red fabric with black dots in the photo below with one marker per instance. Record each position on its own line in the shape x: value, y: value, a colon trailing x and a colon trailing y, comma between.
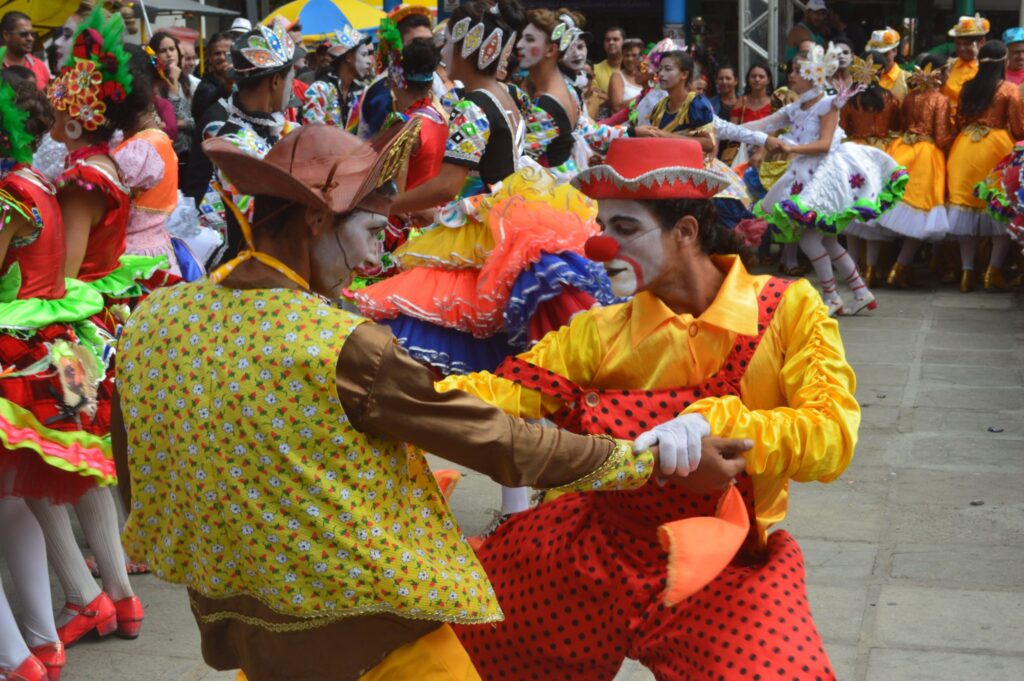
x: 581, y: 578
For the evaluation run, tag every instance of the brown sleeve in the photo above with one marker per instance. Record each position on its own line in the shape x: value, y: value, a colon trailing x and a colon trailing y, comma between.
x: 944, y: 132
x: 1015, y: 111
x: 388, y: 394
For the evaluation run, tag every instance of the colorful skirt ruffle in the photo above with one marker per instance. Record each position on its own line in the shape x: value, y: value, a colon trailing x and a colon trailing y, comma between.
x: 826, y: 193
x: 1003, y: 191
x: 54, y: 395
x: 493, y: 272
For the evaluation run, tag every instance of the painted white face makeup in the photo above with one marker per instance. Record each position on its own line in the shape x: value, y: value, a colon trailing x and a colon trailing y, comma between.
x: 845, y: 57
x: 351, y: 245
x: 640, y: 258
x: 531, y: 46
x: 286, y: 91
x: 576, y: 56
x: 669, y: 74
x: 447, y: 51
x: 364, y: 60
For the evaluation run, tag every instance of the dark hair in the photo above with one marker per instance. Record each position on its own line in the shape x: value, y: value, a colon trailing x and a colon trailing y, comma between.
x: 618, y: 29
x: 872, y: 98
x: 419, y: 61
x: 843, y: 39
x: 12, y: 18
x: 936, y: 61
x: 413, y: 21
x: 125, y: 114
x: 684, y: 61
x: 768, y: 72
x: 511, y: 17
x: 31, y: 100
x: 15, y: 75
x: 154, y: 44
x: 714, y: 238
x: 977, y: 93
x: 723, y: 66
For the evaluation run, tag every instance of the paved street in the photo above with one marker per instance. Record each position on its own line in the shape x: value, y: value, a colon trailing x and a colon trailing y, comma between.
x: 914, y: 556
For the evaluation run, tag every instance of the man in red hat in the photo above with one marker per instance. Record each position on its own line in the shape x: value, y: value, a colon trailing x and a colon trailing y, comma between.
x: 680, y: 576
x: 279, y: 489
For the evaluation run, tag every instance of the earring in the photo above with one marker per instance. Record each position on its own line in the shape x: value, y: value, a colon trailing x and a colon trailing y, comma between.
x: 73, y: 129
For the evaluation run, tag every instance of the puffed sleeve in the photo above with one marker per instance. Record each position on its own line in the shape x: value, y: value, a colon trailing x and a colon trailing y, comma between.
x: 814, y: 435
x: 701, y: 111
x: 1014, y: 111
x: 573, y: 351
x: 468, y: 132
x: 140, y: 164
x: 542, y: 128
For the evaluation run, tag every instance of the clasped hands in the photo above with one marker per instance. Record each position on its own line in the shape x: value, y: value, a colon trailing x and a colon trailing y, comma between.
x: 688, y: 453
x: 773, y: 143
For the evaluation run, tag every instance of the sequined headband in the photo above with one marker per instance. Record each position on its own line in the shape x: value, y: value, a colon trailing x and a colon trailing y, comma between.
x: 565, y: 33
x: 472, y: 38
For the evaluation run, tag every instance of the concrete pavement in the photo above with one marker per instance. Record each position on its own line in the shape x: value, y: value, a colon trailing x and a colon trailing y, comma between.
x: 914, y: 556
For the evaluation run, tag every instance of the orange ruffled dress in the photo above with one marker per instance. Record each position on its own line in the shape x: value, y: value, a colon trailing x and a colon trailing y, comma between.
x: 874, y: 129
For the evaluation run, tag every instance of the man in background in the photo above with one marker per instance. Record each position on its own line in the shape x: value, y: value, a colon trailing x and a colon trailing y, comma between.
x: 613, y: 39
x: 19, y: 38
x: 189, y: 62
x: 813, y: 26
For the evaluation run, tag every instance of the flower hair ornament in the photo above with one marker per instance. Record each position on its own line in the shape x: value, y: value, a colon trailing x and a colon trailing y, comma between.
x: 925, y: 79
x: 15, y: 141
x: 663, y: 47
x: 96, y: 75
x: 161, y: 70
x: 818, y: 64
x: 565, y: 33
x: 863, y: 73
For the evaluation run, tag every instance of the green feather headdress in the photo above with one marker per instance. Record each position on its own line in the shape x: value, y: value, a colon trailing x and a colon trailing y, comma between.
x: 15, y: 141
x: 97, y: 74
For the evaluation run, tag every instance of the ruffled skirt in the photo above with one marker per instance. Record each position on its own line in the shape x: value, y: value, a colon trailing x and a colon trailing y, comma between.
x: 828, y: 192
x: 492, y: 275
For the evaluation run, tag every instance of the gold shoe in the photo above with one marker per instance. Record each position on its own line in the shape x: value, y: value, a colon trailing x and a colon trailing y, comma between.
x: 967, y: 281
x: 870, y: 275
x: 901, y: 276
x: 993, y: 280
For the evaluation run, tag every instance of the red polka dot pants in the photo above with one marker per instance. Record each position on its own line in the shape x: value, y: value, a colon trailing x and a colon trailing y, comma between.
x: 581, y: 591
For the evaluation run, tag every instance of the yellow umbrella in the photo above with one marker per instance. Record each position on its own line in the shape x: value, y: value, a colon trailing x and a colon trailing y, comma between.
x: 320, y: 18
x: 46, y: 14
x: 429, y: 4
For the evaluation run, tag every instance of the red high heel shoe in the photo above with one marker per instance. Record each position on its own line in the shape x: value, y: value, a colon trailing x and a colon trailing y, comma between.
x: 99, y: 615
x: 53, y: 658
x: 129, y: 616
x: 29, y: 670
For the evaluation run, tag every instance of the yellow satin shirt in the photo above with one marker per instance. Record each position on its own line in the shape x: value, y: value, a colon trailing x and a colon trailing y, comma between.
x: 959, y: 73
x: 796, y: 401
x: 895, y: 81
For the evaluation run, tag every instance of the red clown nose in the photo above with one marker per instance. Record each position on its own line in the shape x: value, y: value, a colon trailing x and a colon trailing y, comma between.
x: 601, y: 248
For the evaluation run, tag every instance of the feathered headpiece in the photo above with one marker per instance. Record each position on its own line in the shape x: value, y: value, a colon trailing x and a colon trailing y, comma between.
x: 96, y: 75
x: 925, y: 79
x: 818, y: 64
x: 15, y: 141
x: 865, y: 72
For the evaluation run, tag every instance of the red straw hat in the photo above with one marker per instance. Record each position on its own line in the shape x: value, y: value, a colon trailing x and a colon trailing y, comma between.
x: 651, y: 168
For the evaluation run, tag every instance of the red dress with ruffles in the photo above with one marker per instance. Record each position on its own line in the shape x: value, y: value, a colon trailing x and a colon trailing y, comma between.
x: 107, y: 238
x: 24, y: 470
x: 581, y: 578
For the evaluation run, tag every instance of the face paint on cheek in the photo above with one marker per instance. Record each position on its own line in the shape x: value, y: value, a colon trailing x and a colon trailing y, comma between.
x: 625, y: 276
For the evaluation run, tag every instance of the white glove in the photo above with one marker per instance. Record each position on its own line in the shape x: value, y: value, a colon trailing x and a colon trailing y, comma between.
x: 678, y: 443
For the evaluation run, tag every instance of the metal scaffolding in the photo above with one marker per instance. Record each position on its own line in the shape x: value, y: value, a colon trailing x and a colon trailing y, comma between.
x: 763, y: 27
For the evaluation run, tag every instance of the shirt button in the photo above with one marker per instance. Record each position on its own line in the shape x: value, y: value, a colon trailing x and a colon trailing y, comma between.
x: 693, y: 330
x: 592, y: 400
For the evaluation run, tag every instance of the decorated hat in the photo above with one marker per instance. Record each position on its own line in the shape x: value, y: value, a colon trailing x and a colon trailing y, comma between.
x: 403, y: 11
x: 1013, y: 35
x: 321, y: 166
x: 344, y: 40
x: 96, y: 76
x: 16, y: 142
x: 925, y: 79
x: 261, y: 52
x: 884, y: 40
x: 651, y: 168
x: 816, y: 6
x: 818, y: 64
x: 970, y: 27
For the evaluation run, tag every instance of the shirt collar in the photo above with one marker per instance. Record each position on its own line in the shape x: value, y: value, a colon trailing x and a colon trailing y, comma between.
x: 733, y: 309
x: 893, y: 73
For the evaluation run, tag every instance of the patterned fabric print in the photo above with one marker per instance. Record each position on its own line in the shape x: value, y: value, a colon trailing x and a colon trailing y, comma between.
x: 469, y: 131
x: 541, y: 129
x: 212, y: 211
x: 255, y: 482
x: 321, y: 104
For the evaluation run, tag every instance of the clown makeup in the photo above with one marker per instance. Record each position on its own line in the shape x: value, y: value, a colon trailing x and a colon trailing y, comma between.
x: 669, y: 73
x: 363, y: 61
x: 351, y: 245
x: 639, y: 236
x: 845, y: 57
x: 531, y: 47
x: 447, y: 50
x: 576, y: 56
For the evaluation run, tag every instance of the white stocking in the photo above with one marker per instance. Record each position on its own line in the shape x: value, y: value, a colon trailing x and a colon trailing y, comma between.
x: 98, y: 517
x: 810, y: 244
x: 789, y: 259
x: 1000, y: 247
x: 13, y: 650
x: 65, y: 557
x: 514, y: 499
x: 854, y: 245
x: 908, y: 250
x: 968, y: 250
x: 21, y: 541
x: 844, y: 266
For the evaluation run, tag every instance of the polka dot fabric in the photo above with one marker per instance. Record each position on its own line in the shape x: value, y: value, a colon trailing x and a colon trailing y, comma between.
x: 581, y: 577
x: 249, y: 479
